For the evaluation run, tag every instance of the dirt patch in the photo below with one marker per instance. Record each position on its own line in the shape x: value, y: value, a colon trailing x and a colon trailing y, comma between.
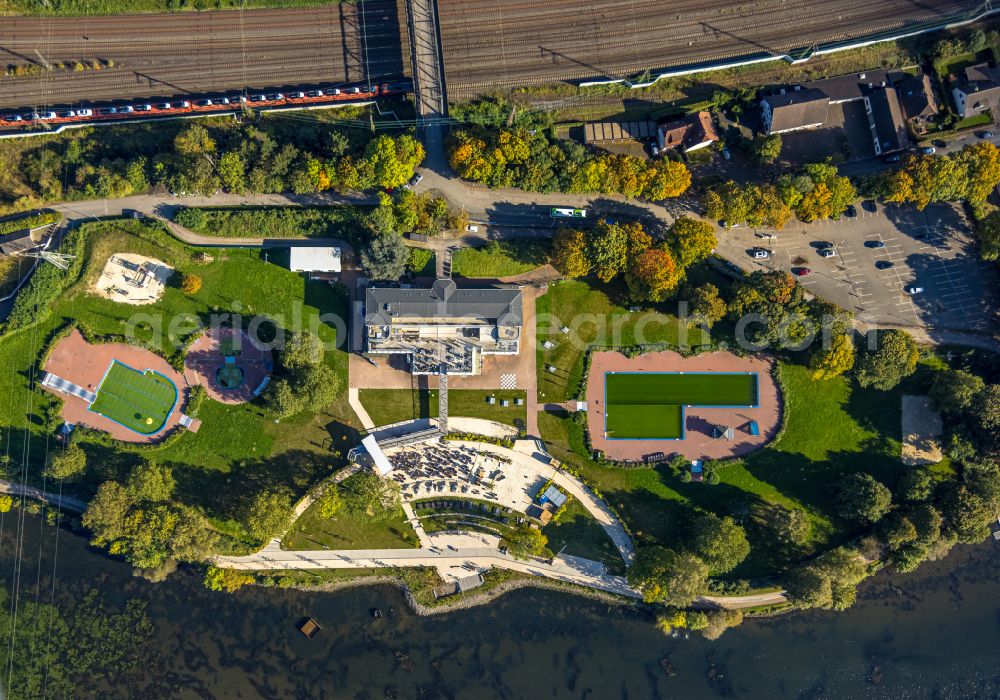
x: 700, y: 424
x: 228, y: 363
x: 132, y: 279
x: 922, y: 431
x: 83, y: 364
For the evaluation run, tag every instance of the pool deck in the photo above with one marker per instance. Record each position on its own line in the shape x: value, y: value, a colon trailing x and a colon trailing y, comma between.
x: 699, y: 422
x: 77, y: 361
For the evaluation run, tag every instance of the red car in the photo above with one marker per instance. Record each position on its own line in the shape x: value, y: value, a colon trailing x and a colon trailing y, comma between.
x: 802, y: 271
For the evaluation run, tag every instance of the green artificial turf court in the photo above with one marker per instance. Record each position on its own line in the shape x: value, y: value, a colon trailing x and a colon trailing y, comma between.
x: 141, y: 401
x: 650, y: 405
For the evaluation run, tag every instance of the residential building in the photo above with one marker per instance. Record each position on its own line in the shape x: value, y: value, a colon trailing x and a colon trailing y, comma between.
x: 444, y: 329
x: 917, y: 98
x: 850, y: 87
x: 691, y: 132
x: 977, y: 90
x: 886, y: 121
x: 793, y: 110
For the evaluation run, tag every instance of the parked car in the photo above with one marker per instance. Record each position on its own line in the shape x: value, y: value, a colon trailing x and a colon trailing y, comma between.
x: 655, y: 150
x: 415, y: 180
x: 204, y: 103
x: 297, y: 95
x: 355, y: 90
x: 144, y: 108
x: 870, y: 205
x: 874, y: 244
x: 184, y: 104
x: 85, y: 112
x: 109, y: 110
x: 164, y: 105
x: 759, y: 253
x: 884, y: 264
x: 939, y: 143
x: 726, y: 154
x: 928, y: 150
x: 801, y: 271
x: 67, y: 114
x: 912, y: 289
x: 472, y: 228
x: 766, y: 236
x: 315, y: 93
x: 851, y: 211
x: 894, y: 158
x: 333, y: 92
x: 827, y: 252
x: 986, y: 134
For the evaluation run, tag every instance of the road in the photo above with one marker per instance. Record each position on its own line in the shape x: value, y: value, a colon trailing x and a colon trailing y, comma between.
x: 190, y: 53
x: 65, y: 502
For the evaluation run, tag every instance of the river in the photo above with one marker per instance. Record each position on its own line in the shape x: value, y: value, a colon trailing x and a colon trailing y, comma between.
x: 935, y: 633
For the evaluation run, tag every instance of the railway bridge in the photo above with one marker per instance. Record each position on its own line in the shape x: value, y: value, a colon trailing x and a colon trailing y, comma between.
x: 429, y: 87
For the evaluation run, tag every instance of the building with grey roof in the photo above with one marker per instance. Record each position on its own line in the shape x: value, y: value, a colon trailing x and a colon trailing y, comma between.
x: 886, y: 121
x: 444, y: 329
x: 792, y: 110
x: 977, y: 90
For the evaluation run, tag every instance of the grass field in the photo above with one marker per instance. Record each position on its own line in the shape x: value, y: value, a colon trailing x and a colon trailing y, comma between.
x: 386, y: 406
x: 501, y: 258
x: 650, y: 404
x: 141, y: 401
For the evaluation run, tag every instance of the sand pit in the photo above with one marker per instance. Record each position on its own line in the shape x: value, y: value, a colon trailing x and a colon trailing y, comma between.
x: 133, y: 279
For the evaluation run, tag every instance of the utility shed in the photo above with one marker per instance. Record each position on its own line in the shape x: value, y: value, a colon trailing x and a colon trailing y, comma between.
x: 314, y: 259
x: 603, y: 132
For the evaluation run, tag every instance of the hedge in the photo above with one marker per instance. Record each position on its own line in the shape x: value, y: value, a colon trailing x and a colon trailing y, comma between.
x: 29, y: 222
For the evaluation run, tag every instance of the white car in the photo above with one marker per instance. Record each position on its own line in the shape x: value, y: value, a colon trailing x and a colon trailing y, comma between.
x: 184, y: 104
x: 333, y: 91
x: 164, y: 105
x: 472, y: 228
x: 827, y: 252
x: 766, y: 236
x: 912, y: 289
x: 85, y: 112
x: 47, y: 115
x: 315, y: 93
x: 297, y: 95
x: 759, y: 253
x: 355, y: 90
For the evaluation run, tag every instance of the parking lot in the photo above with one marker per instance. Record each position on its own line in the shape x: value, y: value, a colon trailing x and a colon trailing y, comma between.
x: 933, y: 250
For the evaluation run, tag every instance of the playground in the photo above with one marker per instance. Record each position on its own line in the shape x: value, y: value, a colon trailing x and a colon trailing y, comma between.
x: 231, y: 366
x: 710, y: 406
x: 133, y: 279
x: 129, y: 392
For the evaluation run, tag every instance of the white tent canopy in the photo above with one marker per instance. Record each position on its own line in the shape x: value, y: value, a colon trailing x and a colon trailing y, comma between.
x: 314, y: 259
x: 378, y: 456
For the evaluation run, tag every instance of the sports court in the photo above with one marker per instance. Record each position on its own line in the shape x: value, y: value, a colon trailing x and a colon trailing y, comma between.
x: 707, y: 406
x: 139, y: 400
x: 650, y: 405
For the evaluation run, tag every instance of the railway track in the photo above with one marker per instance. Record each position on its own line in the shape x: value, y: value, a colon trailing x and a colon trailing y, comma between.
x: 161, y: 56
x: 492, y: 44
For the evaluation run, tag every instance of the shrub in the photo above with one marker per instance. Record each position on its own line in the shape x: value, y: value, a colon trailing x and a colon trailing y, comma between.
x: 190, y: 284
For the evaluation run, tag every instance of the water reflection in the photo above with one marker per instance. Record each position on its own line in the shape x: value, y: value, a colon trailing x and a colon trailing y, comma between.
x: 932, y: 634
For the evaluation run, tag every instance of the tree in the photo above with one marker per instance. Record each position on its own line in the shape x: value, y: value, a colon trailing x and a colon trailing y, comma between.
x: 863, y: 498
x: 721, y: 620
x: 666, y: 576
x: 954, y: 390
x: 190, y: 284
x: 309, y: 384
x: 653, y: 275
x: 6, y: 503
x: 569, y: 252
x: 692, y: 240
x: 525, y: 541
x: 393, y: 159
x: 106, y: 511
x: 607, y: 250
x: 68, y: 463
x: 988, y: 231
x: 916, y: 485
x: 984, y: 414
x: 268, y: 514
x: 707, y: 307
x: 329, y: 503
x: 898, y: 530
x: 767, y: 148
x: 228, y: 580
x: 720, y: 542
x: 809, y: 587
x: 790, y: 525
x: 151, y: 482
x: 827, y: 363
x: 384, y: 258
x: 894, y: 357
x: 368, y: 494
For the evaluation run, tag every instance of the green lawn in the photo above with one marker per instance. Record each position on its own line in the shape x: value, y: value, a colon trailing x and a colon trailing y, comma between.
x: 652, y: 421
x: 421, y: 262
x: 593, y: 317
x: 140, y: 400
x: 386, y: 406
x: 832, y: 430
x: 348, y: 530
x: 239, y: 449
x: 501, y: 258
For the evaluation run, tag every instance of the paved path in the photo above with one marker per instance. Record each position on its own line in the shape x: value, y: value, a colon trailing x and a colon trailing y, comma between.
x: 65, y: 502
x: 354, y: 400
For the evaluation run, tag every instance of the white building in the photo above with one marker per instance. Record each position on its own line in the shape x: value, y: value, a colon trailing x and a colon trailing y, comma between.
x: 314, y: 260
